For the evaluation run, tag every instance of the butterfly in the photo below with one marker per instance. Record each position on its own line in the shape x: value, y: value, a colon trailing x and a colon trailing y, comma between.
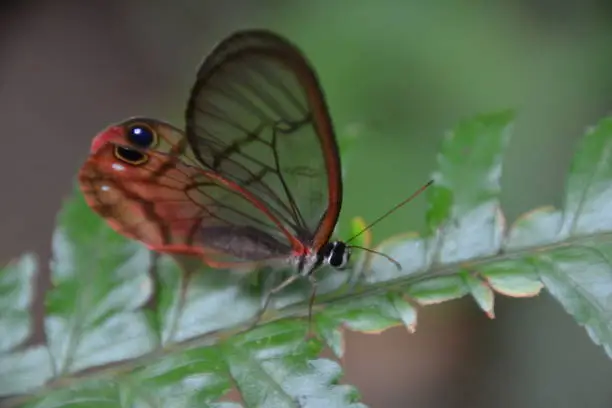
x: 254, y: 179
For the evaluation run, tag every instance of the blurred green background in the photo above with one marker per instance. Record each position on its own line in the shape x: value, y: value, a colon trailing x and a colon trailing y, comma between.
x: 398, y: 75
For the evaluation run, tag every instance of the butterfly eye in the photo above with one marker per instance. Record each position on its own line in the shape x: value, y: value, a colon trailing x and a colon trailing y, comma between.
x: 141, y: 135
x: 336, y: 254
x: 130, y: 156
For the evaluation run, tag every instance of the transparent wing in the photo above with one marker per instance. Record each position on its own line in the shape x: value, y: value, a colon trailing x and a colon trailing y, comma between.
x: 173, y: 207
x: 257, y: 116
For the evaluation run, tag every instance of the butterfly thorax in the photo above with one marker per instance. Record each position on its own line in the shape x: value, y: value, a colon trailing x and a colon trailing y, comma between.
x: 335, y: 254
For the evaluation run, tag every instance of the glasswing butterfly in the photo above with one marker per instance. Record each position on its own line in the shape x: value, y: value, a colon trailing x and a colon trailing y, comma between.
x: 253, y: 180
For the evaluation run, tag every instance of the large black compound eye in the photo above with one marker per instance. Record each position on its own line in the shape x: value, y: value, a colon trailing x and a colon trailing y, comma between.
x: 130, y: 156
x: 141, y: 135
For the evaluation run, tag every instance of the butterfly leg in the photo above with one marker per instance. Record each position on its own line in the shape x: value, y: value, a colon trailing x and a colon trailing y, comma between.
x: 313, y: 292
x: 269, y: 295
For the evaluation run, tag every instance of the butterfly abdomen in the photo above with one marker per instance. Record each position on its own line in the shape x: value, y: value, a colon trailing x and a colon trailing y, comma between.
x: 244, y: 242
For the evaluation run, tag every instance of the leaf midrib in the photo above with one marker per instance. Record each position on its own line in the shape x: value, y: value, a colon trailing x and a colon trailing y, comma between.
x: 452, y: 268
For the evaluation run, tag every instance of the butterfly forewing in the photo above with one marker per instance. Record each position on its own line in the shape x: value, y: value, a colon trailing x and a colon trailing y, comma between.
x: 257, y: 117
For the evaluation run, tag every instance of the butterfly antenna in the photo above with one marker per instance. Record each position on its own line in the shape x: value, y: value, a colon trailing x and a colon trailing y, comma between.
x: 393, y: 261
x: 392, y: 210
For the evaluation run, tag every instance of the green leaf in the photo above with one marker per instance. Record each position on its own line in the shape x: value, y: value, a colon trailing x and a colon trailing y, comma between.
x: 272, y: 366
x: 464, y: 214
x: 589, y: 190
x: 275, y: 367
x: 15, y: 298
x: 25, y: 370
x: 574, y: 260
x: 405, y: 310
x: 481, y: 292
x: 20, y: 370
x: 127, y: 329
x: 100, y: 283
